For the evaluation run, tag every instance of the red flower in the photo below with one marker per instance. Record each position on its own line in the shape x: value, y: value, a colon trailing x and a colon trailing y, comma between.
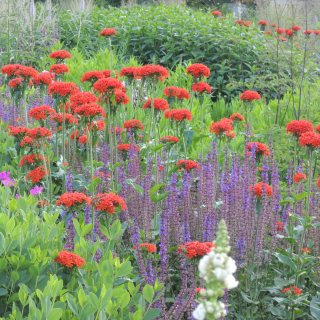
x: 15, y: 83
x: 222, y: 126
x: 18, y: 132
x: 130, y: 72
x: 236, y: 117
x: 60, y: 55
x: 201, y: 87
x: 133, y: 124
x: 26, y: 72
x: 298, y: 127
x: 243, y: 23
x: 109, y: 202
x: 62, y: 89
x: 298, y: 177
x: 31, y: 159
x: 26, y: 141
x: 157, y: 103
x: 249, y: 95
x: 280, y: 30
x: 261, y: 188
x: 72, y: 199
x: 38, y: 133
x: 108, y: 32
x: 37, y: 174
x: 195, y: 249
x: 230, y: 134
x: 280, y: 226
x: 268, y: 33
x: 260, y: 149
x: 179, y: 93
x: 198, y: 70
x: 292, y: 290
x: 296, y: 28
x: 178, y: 114
x: 262, y: 22
x: 121, y: 97
x: 107, y: 85
x: 188, y: 165
x: 306, y: 250
x: 149, y: 247
x: 310, y: 139
x: 66, y: 117
x: 216, y: 13
x: 169, y: 139
x: 41, y: 112
x: 308, y: 32
x: 92, y: 76
x: 126, y: 147
x: 43, y: 78
x: 10, y: 69
x: 289, y: 32
x: 90, y: 110
x: 83, y: 139
x: 316, y: 32
x: 80, y: 98
x: 59, y: 68
x: 70, y: 260
x: 152, y: 71
x: 318, y: 182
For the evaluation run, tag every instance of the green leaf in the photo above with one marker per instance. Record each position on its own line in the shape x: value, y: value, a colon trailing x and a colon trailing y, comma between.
x: 286, y: 260
x: 54, y: 314
x: 124, y: 270
x: 152, y: 314
x: 2, y: 243
x: 315, y: 306
x: 247, y: 299
x: 135, y: 186
x: 148, y: 293
x: 23, y: 294
x: 155, y: 195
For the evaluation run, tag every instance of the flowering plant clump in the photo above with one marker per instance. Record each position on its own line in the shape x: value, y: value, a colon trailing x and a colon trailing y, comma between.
x: 201, y: 87
x: 92, y: 76
x: 80, y: 98
x: 41, y: 112
x: 133, y: 124
x: 32, y: 159
x: 195, y: 249
x: 107, y: 85
x: 60, y: 55
x: 37, y: 174
x: 188, y: 165
x: 109, y: 203
x: 71, y: 199
x: 175, y: 92
x: 59, y: 68
x: 62, y: 89
x: 310, y: 139
x: 198, y: 71
x: 222, y: 126
x: 153, y: 72
x: 69, y: 259
x: 216, y: 269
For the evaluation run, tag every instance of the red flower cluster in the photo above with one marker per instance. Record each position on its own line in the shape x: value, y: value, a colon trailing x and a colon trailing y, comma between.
x: 298, y: 127
x: 169, y: 139
x: 222, y: 126
x: 243, y: 23
x: 108, y: 202
x: 260, y: 149
x: 37, y: 174
x: 296, y: 28
x: 26, y: 141
x: 43, y: 78
x: 59, y: 68
x: 198, y: 70
x: 41, y: 112
x: 292, y: 290
x: 69, y: 260
x: 152, y: 71
x: 71, y: 199
x: 130, y: 72
x: 90, y: 110
x: 178, y: 114
x: 15, y: 83
x: 249, y: 95
x: 201, y: 87
x: 62, y: 89
x: 149, y: 247
x: 121, y: 97
x: 10, y: 69
x: 31, y: 159
x: 261, y: 188
x: 26, y: 72
x: 81, y: 98
x: 38, y: 133
x: 126, y: 147
x: 262, y: 22
x: 83, y: 139
x: 179, y: 93
x: 306, y: 250
x: 280, y: 226
x: 108, y: 32
x: 236, y: 117
x: 216, y: 13
x: 188, y: 165
x: 133, y: 124
x: 195, y: 249
x: 68, y: 118
x: 18, y: 132
x: 157, y: 104
x: 280, y: 30
x: 299, y: 176
x: 92, y: 76
x: 60, y: 55
x: 107, y: 85
x: 310, y: 139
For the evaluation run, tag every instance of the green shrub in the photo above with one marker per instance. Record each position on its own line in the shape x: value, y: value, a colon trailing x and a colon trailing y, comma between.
x: 170, y: 35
